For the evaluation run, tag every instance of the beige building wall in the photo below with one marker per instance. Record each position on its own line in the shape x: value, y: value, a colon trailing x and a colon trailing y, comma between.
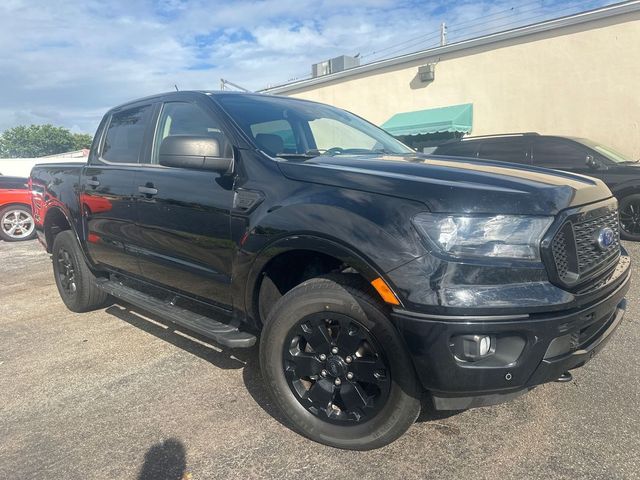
x: 581, y: 80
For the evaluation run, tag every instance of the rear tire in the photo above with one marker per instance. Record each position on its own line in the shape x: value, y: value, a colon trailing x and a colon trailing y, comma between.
x: 313, y: 378
x: 74, y: 280
x: 16, y: 223
x: 630, y: 217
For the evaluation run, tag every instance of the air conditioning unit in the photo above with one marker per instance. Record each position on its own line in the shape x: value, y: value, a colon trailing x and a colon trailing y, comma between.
x: 321, y: 68
x: 334, y: 65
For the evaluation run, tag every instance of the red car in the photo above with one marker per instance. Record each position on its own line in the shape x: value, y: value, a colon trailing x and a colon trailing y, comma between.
x: 16, y: 221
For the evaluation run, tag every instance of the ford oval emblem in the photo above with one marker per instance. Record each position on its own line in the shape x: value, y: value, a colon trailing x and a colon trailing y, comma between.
x: 606, y: 237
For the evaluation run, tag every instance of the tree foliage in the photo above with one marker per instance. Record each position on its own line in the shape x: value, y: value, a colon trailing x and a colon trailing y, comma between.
x: 40, y: 140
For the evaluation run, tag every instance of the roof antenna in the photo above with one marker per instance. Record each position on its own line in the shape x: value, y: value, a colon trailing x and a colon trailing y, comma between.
x: 176, y: 87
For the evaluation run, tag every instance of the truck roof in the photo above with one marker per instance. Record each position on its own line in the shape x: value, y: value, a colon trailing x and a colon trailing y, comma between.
x: 208, y: 93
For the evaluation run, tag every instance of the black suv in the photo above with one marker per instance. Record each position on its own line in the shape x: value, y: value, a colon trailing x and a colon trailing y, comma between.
x: 370, y: 273
x: 577, y: 155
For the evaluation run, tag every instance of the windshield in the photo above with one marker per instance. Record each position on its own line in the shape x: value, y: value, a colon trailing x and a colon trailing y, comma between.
x: 607, y: 152
x: 289, y: 128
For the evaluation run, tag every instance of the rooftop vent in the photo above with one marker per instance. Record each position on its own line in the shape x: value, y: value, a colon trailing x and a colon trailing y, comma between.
x: 334, y: 65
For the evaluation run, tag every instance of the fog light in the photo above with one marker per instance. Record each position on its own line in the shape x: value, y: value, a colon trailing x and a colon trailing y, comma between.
x: 485, y: 345
x: 473, y: 347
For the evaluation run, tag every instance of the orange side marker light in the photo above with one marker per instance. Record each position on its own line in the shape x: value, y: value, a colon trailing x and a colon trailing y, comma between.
x: 385, y: 292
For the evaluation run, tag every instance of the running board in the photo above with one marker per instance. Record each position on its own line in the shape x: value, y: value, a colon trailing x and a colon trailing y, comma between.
x: 224, y: 334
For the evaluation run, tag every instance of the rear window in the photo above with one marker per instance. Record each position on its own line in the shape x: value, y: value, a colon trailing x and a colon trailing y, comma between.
x: 125, y: 134
x: 13, y: 183
x: 515, y: 150
x: 458, y: 149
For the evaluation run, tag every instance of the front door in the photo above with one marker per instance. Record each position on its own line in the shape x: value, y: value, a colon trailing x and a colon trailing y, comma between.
x: 107, y: 197
x: 184, y: 214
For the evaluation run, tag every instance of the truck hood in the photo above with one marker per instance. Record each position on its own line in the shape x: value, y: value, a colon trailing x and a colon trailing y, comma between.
x: 453, y: 184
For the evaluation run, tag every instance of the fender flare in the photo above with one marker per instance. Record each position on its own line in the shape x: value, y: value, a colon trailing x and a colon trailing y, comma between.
x: 8, y: 204
x: 303, y: 242
x: 624, y: 189
x: 72, y: 227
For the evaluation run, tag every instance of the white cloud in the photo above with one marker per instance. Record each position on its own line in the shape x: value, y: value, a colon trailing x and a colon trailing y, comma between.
x: 67, y: 62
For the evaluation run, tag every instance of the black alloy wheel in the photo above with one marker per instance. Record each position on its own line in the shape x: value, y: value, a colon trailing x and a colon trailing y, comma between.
x: 66, y: 272
x: 336, y: 365
x: 335, y: 369
x: 630, y: 217
x: 74, y: 279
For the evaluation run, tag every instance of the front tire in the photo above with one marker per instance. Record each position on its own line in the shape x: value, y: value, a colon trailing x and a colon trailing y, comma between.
x: 630, y: 217
x: 336, y: 366
x: 74, y: 280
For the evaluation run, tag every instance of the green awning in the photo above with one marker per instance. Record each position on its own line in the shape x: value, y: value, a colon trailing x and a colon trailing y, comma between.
x: 456, y: 118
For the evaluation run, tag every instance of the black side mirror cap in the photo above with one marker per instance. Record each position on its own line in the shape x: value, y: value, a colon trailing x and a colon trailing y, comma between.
x: 194, y: 152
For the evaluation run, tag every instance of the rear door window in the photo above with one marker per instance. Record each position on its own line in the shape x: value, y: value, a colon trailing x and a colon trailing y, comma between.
x: 559, y: 153
x: 458, y: 149
x: 514, y: 150
x: 125, y: 135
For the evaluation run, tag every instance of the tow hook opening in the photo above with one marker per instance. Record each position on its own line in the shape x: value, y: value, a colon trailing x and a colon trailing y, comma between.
x: 565, y: 377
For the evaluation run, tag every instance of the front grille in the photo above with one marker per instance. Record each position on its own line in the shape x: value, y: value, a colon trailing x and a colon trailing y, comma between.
x: 586, y: 234
x: 559, y: 248
x: 575, y: 250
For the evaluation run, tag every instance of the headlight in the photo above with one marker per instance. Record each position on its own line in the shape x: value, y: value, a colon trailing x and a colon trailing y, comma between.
x: 504, y: 236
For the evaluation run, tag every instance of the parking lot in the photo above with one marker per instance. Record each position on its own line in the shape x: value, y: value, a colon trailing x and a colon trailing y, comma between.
x: 117, y: 394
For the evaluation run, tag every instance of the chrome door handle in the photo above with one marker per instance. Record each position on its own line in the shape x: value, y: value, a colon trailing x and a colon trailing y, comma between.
x: 147, y: 190
x: 93, y: 182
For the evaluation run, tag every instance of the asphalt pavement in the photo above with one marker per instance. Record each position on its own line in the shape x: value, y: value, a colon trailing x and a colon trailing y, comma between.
x: 118, y: 394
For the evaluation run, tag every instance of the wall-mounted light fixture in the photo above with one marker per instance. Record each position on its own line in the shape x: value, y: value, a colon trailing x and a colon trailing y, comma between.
x: 427, y: 73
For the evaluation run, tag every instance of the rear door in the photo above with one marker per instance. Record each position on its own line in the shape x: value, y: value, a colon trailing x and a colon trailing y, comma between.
x: 184, y: 214
x: 107, y: 194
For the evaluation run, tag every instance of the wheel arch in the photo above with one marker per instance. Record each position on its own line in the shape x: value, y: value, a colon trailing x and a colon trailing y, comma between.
x: 56, y: 220
x: 16, y: 204
x: 624, y: 190
x: 301, y: 247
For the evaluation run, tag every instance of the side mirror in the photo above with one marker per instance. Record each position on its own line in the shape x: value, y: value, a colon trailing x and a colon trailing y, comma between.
x: 192, y: 151
x: 592, y: 163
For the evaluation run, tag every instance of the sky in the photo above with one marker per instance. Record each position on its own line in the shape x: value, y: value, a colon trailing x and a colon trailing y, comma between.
x: 66, y: 62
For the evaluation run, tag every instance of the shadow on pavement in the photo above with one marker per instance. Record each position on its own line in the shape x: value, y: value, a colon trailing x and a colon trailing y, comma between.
x: 203, y: 347
x: 227, y: 358
x: 166, y: 460
x: 207, y: 349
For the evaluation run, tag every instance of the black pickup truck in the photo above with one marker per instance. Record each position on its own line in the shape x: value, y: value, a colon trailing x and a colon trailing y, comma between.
x: 372, y: 274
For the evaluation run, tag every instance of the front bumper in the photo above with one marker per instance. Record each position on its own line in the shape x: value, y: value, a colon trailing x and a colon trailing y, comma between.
x: 531, y: 349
